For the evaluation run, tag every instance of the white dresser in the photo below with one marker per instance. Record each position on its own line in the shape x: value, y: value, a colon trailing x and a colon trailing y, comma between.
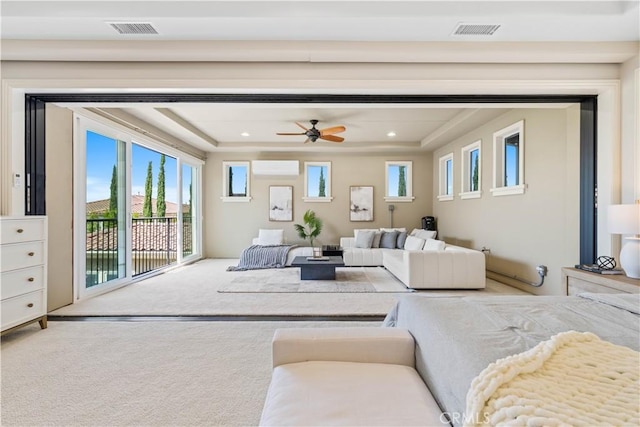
x: 23, y: 271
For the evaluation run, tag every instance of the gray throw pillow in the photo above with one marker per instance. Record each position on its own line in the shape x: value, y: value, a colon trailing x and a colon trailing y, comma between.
x: 364, y: 239
x: 402, y: 237
x: 389, y: 239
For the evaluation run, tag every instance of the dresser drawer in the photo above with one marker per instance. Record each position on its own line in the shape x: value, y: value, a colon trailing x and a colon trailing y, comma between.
x: 21, y: 309
x: 576, y: 286
x: 21, y: 230
x: 22, y: 281
x: 21, y: 255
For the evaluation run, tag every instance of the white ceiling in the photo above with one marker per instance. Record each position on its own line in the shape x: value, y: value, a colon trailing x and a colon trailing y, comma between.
x: 349, y: 24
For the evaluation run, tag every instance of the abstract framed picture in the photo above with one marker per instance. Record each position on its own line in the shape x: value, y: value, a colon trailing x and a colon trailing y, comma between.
x: 281, y: 203
x: 361, y: 203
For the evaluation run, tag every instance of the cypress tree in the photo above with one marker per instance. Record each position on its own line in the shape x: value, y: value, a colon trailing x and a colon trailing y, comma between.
x: 190, y: 202
x: 230, y: 192
x: 402, y: 182
x: 474, y: 179
x: 161, y: 205
x: 113, y: 197
x: 147, y: 211
x: 322, y: 191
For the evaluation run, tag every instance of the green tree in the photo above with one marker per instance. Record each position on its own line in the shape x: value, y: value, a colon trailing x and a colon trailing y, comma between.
x: 161, y: 205
x: 113, y: 197
x: 402, y: 181
x: 322, y: 186
x: 147, y: 210
x: 230, y: 192
x: 474, y: 179
x: 190, y: 202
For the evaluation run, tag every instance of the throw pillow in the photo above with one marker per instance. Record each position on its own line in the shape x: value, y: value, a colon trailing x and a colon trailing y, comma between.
x: 270, y: 237
x: 434, y: 245
x: 399, y: 229
x: 364, y: 238
x: 389, y: 239
x: 413, y: 243
x: 424, y: 234
x: 376, y: 239
x: 402, y: 237
x: 358, y: 230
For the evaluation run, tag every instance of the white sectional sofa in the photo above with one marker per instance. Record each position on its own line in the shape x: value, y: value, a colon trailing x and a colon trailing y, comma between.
x: 436, y: 266
x: 347, y: 377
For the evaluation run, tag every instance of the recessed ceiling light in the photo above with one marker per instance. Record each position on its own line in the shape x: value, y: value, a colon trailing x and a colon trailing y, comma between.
x: 245, y: 134
x: 391, y: 134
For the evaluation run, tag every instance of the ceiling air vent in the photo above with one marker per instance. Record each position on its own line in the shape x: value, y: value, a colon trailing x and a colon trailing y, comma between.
x: 133, y: 27
x: 475, y: 29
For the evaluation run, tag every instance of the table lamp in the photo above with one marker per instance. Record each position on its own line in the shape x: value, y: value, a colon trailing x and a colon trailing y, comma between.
x: 625, y: 219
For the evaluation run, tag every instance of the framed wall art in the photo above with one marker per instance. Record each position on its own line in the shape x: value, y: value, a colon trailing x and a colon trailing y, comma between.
x: 361, y: 203
x: 281, y: 203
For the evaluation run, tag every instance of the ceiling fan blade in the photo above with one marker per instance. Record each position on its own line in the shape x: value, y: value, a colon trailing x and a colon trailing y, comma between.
x: 332, y: 138
x: 289, y: 133
x: 308, y: 139
x: 335, y: 129
x: 299, y: 125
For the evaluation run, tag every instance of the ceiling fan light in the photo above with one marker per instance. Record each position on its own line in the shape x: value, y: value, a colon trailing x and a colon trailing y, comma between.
x: 391, y: 134
x: 245, y: 134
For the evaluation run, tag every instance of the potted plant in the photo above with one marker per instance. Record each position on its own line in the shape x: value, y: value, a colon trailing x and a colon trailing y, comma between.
x: 312, y: 227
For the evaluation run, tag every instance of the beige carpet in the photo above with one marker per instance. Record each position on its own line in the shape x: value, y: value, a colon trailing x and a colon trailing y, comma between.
x: 139, y: 374
x: 193, y: 290
x: 286, y: 280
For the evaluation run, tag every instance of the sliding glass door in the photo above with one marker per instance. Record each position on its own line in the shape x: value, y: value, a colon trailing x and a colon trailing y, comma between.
x: 136, y: 208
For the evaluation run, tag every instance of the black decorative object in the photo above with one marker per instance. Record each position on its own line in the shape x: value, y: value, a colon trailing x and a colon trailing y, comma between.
x: 606, y: 262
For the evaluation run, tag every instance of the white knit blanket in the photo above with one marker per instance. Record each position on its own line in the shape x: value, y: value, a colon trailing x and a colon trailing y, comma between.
x: 572, y: 379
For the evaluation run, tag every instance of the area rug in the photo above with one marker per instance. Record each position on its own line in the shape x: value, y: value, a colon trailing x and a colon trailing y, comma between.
x: 287, y: 280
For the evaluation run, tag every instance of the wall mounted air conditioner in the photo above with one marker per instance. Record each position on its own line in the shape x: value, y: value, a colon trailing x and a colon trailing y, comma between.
x: 276, y: 167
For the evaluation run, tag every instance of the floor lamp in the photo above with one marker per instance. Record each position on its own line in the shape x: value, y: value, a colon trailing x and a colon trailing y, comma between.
x: 625, y: 219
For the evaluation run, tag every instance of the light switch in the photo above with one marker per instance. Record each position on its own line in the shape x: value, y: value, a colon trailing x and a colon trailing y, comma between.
x: 17, y: 180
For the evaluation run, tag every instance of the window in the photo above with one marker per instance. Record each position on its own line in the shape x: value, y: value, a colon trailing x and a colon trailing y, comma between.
x: 471, y: 171
x: 508, y: 160
x: 446, y: 178
x: 317, y: 182
x: 399, y: 181
x: 235, y: 182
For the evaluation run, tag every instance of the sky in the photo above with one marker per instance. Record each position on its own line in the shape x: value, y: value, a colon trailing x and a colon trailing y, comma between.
x: 102, y: 155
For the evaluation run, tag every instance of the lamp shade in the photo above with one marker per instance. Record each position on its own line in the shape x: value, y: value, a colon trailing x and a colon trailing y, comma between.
x: 624, y: 219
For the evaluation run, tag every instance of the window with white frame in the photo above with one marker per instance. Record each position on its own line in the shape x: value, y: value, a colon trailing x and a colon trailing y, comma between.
x: 317, y: 182
x: 446, y: 178
x: 508, y: 160
x: 471, y: 171
x: 399, y: 182
x: 236, y: 185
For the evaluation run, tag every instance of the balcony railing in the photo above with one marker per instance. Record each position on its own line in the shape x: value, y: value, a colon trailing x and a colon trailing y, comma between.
x: 154, y: 244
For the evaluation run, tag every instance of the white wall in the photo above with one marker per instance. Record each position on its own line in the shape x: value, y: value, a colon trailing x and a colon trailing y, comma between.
x: 230, y: 226
x: 540, y: 226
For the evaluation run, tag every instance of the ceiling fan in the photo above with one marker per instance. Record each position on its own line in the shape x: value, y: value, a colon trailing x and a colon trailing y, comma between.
x: 313, y: 134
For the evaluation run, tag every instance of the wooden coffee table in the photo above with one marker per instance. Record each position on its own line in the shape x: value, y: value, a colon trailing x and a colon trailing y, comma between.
x: 318, y: 270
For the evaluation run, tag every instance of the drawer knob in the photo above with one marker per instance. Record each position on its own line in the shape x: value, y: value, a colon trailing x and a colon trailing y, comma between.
x: 30, y: 305
x: 20, y: 230
x: 31, y: 279
x: 31, y: 253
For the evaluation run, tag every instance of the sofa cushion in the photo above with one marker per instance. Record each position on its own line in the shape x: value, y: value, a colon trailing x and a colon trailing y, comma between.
x: 270, y: 237
x: 424, y: 234
x: 389, y: 239
x: 399, y: 229
x: 348, y: 393
x: 413, y: 243
x: 402, y: 237
x: 434, y: 245
x: 364, y: 238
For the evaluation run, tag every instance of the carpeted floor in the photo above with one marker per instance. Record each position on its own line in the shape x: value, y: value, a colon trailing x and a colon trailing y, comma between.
x: 193, y: 290
x: 139, y: 373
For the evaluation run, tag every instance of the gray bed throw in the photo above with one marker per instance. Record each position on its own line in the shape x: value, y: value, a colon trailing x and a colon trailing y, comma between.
x: 256, y: 257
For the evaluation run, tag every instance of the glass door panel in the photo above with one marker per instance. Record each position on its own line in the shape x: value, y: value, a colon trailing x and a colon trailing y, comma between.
x: 188, y: 211
x: 105, y: 238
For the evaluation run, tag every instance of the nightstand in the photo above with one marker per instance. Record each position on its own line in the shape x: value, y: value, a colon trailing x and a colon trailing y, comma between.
x: 577, y: 281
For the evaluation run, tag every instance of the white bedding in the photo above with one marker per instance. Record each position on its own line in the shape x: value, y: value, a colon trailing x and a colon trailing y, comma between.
x: 572, y: 379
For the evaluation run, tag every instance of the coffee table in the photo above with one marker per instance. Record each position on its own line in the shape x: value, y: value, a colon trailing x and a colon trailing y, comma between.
x: 318, y: 270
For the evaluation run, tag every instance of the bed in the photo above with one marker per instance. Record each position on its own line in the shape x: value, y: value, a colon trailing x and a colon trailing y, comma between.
x: 457, y: 338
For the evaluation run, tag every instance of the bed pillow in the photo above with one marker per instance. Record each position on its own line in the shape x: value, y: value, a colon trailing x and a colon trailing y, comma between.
x: 389, y: 239
x: 434, y: 245
x: 402, y: 237
x: 270, y: 237
x: 413, y: 243
x: 424, y: 234
x: 364, y: 238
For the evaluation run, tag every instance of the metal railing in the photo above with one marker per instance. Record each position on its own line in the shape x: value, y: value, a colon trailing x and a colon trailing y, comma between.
x: 154, y: 245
